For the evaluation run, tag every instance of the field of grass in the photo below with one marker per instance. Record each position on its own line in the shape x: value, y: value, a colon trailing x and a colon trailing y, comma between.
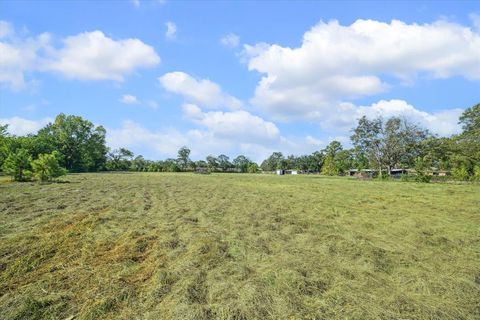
x: 184, y: 246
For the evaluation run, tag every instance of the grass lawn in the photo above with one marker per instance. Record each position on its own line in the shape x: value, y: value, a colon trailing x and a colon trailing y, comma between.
x: 232, y: 246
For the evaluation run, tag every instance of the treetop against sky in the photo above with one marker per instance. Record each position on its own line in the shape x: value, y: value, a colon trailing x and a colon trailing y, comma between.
x: 236, y: 77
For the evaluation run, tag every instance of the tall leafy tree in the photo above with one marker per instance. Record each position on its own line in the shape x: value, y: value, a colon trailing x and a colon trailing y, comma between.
x: 212, y: 163
x: 81, y: 145
x: 224, y: 162
x: 467, y: 146
x: 387, y: 143
x: 241, y: 163
x: 330, y: 166
x: 120, y: 159
x: 183, y: 158
x: 274, y: 162
x: 4, y: 143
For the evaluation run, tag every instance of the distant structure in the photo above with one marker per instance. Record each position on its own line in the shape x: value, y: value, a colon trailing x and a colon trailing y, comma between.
x: 282, y: 172
x: 202, y: 170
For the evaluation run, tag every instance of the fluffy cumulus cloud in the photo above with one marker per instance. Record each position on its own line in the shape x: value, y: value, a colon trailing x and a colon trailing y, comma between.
x: 443, y: 122
x: 337, y: 64
x: 345, y: 116
x: 171, y: 32
x: 238, y: 124
x: 231, y: 40
x: 86, y: 56
x: 200, y: 91
x: 21, y: 126
x: 19, y: 56
x: 94, y: 56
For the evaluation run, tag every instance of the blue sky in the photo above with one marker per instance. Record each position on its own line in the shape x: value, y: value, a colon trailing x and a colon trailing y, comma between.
x: 236, y: 77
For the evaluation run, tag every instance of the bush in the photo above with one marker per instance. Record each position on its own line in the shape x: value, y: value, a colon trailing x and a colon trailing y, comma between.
x: 17, y: 165
x: 460, y: 173
x: 476, y: 172
x: 421, y: 167
x: 46, y: 167
x: 252, y: 168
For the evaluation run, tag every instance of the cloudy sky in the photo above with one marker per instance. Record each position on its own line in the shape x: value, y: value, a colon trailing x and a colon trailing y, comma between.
x: 236, y: 77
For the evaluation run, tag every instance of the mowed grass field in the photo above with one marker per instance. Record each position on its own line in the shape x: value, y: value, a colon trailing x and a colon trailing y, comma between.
x: 238, y: 246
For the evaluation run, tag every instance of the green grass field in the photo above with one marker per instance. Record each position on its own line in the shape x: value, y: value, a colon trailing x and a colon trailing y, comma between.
x: 185, y: 246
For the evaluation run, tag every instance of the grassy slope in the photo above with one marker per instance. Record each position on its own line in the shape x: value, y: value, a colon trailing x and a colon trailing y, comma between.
x: 182, y: 246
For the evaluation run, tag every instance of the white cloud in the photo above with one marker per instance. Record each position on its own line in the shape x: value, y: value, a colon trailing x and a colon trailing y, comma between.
x: 19, y: 56
x: 237, y: 124
x: 86, y: 56
x: 443, y: 122
x: 313, y: 141
x: 6, y: 29
x: 344, y: 116
x: 171, y: 32
x: 336, y: 64
x: 129, y: 99
x: 231, y: 40
x: 203, y: 92
x: 133, y: 100
x: 94, y: 56
x: 21, y: 126
x: 475, y: 20
x: 136, y: 3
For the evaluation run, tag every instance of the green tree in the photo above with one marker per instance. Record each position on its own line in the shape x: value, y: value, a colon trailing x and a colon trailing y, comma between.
x: 46, y: 167
x: 421, y: 167
x: 119, y: 160
x: 201, y: 164
x: 337, y: 160
x: 212, y: 163
x: 252, y: 167
x: 224, y: 162
x: 139, y: 164
x: 4, y: 143
x: 274, y: 162
x: 387, y: 143
x: 329, y: 167
x: 183, y: 158
x: 467, y: 144
x: 17, y: 165
x: 81, y: 145
x: 470, y: 120
x: 241, y: 163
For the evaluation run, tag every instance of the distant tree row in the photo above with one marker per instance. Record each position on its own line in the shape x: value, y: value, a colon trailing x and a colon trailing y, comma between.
x: 384, y: 144
x: 74, y: 144
x: 124, y: 160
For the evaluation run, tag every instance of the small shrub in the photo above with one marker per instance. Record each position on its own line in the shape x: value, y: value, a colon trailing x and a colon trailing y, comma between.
x: 460, y: 173
x: 476, y: 173
x: 46, y: 167
x: 407, y: 178
x: 17, y: 165
x: 252, y: 168
x: 421, y: 165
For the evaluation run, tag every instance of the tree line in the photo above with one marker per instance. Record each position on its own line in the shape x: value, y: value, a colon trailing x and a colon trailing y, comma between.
x: 73, y: 144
